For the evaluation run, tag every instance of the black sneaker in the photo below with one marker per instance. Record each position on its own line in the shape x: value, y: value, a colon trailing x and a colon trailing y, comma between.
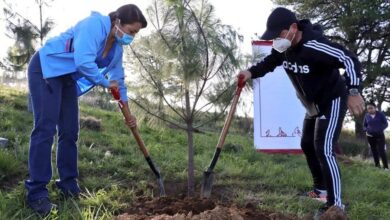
x: 42, y: 206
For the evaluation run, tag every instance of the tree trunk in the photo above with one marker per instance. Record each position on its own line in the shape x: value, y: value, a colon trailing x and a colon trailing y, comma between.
x: 190, y: 141
x: 359, y: 133
x: 379, y: 106
x: 40, y: 20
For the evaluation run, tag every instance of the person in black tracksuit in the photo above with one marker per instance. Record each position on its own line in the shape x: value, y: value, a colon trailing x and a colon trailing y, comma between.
x: 312, y: 62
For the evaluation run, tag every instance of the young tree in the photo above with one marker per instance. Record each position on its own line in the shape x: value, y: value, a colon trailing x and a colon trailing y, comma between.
x: 186, y: 67
x: 364, y: 27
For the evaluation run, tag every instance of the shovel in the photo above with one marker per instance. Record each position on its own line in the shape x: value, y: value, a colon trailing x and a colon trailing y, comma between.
x: 140, y: 142
x: 208, y: 175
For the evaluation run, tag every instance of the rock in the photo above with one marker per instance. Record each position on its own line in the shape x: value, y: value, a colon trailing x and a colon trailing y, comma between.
x: 3, y: 142
x: 91, y: 123
x: 107, y: 154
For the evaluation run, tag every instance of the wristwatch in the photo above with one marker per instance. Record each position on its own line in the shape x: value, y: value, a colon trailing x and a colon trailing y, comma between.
x: 353, y: 92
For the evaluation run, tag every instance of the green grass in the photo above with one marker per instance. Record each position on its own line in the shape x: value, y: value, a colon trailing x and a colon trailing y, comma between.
x: 111, y: 183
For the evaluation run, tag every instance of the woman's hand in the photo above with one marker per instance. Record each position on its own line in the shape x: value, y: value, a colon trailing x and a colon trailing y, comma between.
x: 113, y: 85
x: 131, y: 122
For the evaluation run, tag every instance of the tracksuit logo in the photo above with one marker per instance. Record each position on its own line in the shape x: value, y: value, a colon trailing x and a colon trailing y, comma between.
x: 296, y: 68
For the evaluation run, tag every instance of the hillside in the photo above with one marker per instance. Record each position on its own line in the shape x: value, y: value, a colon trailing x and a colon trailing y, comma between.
x: 115, y: 178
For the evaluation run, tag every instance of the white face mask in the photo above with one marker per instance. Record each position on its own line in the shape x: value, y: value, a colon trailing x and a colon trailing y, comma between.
x: 282, y: 44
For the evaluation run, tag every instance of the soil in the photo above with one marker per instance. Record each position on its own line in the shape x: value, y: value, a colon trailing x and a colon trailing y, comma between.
x: 10, y: 182
x: 177, y: 206
x: 169, y: 208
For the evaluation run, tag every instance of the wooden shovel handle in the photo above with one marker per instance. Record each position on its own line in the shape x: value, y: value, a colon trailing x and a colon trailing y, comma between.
x: 141, y: 145
x: 240, y: 86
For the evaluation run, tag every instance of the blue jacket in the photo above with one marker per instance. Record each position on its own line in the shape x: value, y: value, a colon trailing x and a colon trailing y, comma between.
x: 76, y: 50
x: 375, y: 126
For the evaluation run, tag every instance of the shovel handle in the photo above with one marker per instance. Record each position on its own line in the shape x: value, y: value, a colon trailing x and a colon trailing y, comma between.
x: 115, y: 93
x: 141, y: 145
x: 240, y: 86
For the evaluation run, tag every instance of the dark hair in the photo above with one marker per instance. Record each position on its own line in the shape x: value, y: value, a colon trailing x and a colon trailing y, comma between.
x: 129, y: 14
x: 372, y: 104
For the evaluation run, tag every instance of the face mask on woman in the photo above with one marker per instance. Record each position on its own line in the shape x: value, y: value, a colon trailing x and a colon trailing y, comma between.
x: 282, y: 44
x: 126, y: 39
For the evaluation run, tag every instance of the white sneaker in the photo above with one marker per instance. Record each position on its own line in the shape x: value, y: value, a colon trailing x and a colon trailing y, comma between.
x: 319, y: 195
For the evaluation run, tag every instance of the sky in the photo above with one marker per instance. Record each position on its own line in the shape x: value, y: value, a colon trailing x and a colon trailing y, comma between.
x: 248, y: 17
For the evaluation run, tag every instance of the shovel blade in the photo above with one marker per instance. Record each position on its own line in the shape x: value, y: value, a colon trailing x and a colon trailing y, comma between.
x: 207, y: 184
x: 160, y: 184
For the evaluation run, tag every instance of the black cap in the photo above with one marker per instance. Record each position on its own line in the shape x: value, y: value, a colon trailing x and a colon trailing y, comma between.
x: 280, y: 19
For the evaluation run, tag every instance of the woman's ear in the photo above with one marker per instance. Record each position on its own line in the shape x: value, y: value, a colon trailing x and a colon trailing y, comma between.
x: 294, y: 28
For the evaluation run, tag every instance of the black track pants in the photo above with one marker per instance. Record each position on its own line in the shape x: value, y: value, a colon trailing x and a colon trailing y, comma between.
x: 377, y: 145
x: 320, y: 135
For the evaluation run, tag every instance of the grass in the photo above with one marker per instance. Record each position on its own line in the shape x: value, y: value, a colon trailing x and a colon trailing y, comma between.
x: 111, y: 181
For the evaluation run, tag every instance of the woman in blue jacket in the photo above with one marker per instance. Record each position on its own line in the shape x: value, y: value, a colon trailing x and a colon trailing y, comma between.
x: 374, y: 124
x: 67, y: 66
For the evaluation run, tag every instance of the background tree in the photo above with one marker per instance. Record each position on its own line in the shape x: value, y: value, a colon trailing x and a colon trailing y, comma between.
x: 185, y: 67
x: 364, y: 28
x: 26, y: 35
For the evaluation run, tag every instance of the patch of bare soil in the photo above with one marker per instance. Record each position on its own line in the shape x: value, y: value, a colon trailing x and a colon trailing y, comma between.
x: 169, y: 208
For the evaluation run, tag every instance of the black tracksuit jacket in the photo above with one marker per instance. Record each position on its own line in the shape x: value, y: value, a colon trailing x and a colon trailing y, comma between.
x: 313, y: 67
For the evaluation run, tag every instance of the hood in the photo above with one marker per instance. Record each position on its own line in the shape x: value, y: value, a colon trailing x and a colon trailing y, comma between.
x: 105, y: 19
x: 310, y: 31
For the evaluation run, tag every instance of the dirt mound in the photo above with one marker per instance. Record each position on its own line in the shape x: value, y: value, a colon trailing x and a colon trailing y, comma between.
x: 168, y: 208
x: 334, y: 213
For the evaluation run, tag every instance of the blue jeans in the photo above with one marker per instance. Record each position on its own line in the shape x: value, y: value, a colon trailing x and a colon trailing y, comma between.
x: 55, y: 106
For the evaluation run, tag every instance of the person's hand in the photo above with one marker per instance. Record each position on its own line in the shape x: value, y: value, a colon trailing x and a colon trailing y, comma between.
x: 114, y: 89
x: 355, y: 104
x: 132, y: 122
x: 113, y: 85
x: 247, y: 75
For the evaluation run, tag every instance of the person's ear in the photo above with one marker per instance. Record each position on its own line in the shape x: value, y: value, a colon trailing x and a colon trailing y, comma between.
x: 294, y: 28
x: 117, y: 21
x: 114, y: 22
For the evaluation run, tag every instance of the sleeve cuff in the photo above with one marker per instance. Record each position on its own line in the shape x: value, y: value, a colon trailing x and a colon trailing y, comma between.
x: 353, y: 87
x: 105, y: 83
x: 251, y: 71
x: 124, y: 97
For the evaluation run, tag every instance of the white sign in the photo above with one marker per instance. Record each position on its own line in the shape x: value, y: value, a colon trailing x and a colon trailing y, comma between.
x: 278, y: 114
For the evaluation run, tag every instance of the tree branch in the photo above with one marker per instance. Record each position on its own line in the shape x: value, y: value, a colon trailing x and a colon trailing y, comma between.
x: 156, y: 85
x: 216, y: 117
x: 213, y: 101
x: 157, y: 116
